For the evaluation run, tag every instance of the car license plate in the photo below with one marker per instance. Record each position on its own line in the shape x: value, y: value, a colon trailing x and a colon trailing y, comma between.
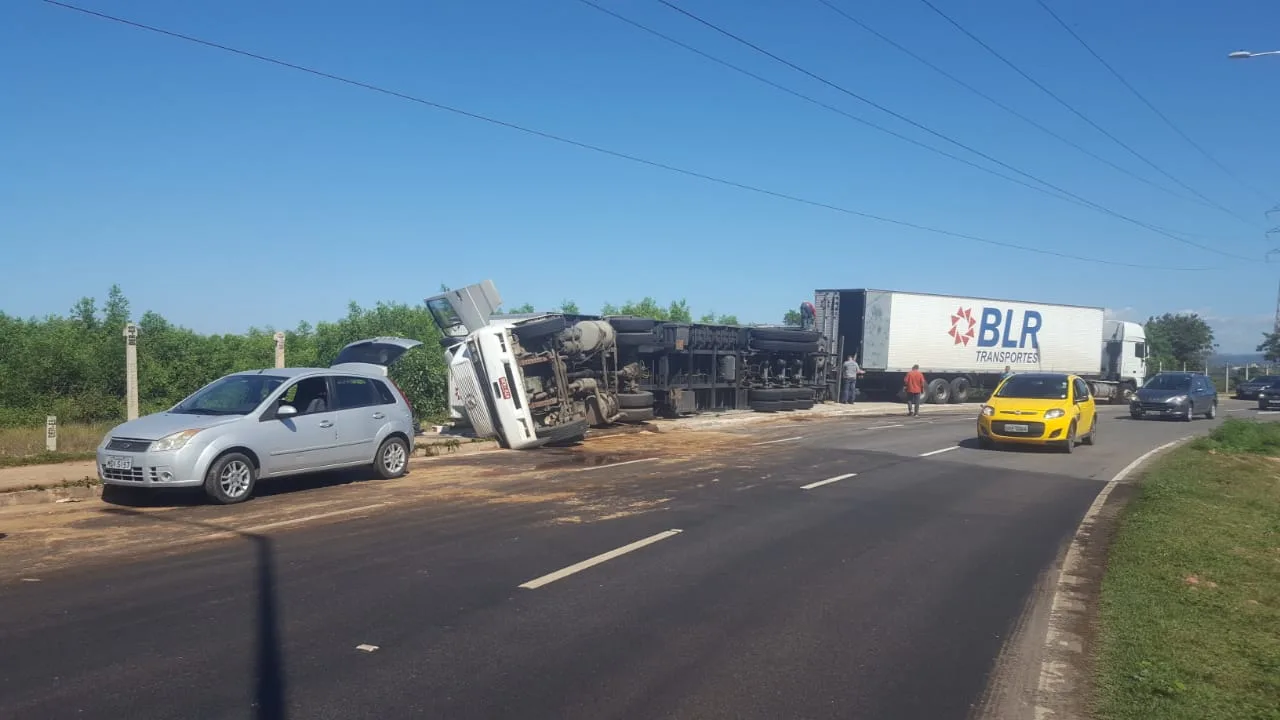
x: 119, y: 462
x: 1016, y: 428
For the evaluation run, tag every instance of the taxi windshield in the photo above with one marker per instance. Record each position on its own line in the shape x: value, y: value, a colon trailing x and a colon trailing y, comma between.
x: 1034, y: 387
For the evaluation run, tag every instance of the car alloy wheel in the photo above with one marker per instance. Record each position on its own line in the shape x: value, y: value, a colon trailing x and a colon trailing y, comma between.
x: 235, y: 479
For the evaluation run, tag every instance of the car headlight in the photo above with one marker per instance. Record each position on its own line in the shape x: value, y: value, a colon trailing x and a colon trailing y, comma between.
x: 1054, y: 413
x: 1178, y: 399
x: 176, y: 441
x: 988, y: 410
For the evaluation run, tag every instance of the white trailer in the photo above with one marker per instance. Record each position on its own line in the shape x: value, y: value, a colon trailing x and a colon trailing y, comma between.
x: 965, y: 342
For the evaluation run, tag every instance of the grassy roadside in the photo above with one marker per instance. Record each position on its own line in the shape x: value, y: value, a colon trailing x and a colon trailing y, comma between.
x: 1189, y: 623
x: 25, y: 445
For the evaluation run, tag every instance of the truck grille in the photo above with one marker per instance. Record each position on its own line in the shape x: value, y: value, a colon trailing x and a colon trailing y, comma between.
x: 128, y: 444
x: 1034, y: 429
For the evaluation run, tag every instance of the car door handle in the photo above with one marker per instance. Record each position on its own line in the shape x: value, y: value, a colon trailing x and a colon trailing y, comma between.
x: 378, y: 416
x: 326, y: 423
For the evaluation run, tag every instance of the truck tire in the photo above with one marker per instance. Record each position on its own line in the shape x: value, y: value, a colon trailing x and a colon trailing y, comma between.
x: 938, y: 392
x: 628, y: 324
x: 635, y: 401
x: 785, y: 335
x: 770, y: 405
x: 566, y: 434
x: 636, y: 339
x: 769, y: 394
x: 535, y: 329
x: 960, y: 389
x: 801, y: 404
x: 784, y: 346
x: 636, y: 415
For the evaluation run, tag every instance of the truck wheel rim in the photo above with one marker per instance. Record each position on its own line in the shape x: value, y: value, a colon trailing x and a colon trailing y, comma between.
x: 234, y: 479
x: 393, y: 458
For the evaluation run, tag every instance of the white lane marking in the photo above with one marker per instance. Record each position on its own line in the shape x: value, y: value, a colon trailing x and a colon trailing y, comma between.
x: 614, y: 465
x: 1065, y: 605
x: 770, y: 442
x: 591, y: 562
x: 883, y: 427
x: 1269, y: 412
x: 1239, y: 409
x: 939, y: 452
x: 366, y: 647
x: 828, y: 481
x: 297, y: 521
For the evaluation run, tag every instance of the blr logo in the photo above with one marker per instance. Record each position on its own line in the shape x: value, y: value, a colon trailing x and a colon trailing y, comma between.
x: 996, y: 329
x: 962, y: 323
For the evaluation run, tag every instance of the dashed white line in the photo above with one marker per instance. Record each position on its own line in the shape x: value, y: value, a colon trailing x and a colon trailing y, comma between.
x: 939, y: 452
x: 828, y: 481
x: 297, y: 521
x: 770, y: 442
x: 614, y: 465
x: 1269, y: 412
x: 366, y: 647
x: 1238, y: 409
x: 884, y: 427
x: 591, y: 562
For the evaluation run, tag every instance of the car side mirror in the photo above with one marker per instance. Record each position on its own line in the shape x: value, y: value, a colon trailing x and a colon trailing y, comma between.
x: 286, y: 411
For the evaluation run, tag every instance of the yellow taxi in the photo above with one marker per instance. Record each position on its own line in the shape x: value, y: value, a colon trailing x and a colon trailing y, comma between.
x: 1050, y: 409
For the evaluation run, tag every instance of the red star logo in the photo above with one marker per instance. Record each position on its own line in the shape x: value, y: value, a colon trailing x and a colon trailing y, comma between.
x: 962, y: 323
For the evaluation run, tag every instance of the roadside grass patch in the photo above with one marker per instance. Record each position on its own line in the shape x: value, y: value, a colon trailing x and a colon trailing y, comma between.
x: 1189, y: 621
x: 25, y: 445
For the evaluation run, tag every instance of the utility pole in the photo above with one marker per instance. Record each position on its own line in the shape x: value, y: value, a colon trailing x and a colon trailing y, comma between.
x: 131, y: 370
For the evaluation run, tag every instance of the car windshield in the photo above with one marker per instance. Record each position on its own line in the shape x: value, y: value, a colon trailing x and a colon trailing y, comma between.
x: 1266, y: 380
x: 1168, y: 382
x: 231, y: 395
x: 1035, y: 387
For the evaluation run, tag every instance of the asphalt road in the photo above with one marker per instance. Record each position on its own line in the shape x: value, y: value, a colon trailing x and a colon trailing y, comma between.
x: 885, y: 593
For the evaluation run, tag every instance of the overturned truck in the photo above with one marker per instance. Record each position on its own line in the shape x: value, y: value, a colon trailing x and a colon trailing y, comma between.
x: 545, y: 378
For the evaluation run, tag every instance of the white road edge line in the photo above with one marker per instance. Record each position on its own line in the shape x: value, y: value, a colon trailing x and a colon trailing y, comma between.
x: 1065, y: 598
x: 939, y: 452
x: 883, y: 427
x: 614, y: 465
x: 1238, y: 409
x: 828, y: 481
x: 770, y: 442
x: 591, y: 562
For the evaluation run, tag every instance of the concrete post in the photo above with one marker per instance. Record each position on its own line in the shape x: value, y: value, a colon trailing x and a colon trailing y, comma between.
x: 131, y: 369
x: 279, y: 349
x: 51, y: 433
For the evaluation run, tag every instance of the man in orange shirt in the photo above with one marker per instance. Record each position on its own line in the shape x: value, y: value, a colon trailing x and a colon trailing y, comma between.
x: 913, y: 387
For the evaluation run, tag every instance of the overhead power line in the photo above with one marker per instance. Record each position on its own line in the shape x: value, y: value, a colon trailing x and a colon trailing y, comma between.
x: 1024, y: 118
x: 1150, y: 106
x: 1081, y: 115
x: 599, y: 149
x: 1100, y: 208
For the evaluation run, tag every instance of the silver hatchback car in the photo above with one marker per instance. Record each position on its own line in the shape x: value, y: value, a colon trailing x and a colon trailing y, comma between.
x: 268, y: 423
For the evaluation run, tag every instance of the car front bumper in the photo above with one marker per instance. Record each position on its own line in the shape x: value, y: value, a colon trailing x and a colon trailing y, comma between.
x: 173, y: 468
x: 1039, y: 431
x: 1158, y: 409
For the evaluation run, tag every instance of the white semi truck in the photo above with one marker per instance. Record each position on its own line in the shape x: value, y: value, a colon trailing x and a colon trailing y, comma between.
x: 962, y: 343
x: 543, y: 378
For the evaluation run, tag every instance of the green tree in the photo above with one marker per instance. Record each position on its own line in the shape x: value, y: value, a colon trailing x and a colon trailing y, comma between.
x: 569, y: 307
x: 792, y: 317
x: 525, y: 308
x: 713, y: 319
x: 1175, y: 340
x: 1270, y: 346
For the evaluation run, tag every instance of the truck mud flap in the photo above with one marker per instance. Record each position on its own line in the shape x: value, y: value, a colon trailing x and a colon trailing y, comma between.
x: 566, y: 434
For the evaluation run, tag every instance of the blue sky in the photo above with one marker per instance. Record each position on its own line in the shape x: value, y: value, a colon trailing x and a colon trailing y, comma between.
x: 224, y: 192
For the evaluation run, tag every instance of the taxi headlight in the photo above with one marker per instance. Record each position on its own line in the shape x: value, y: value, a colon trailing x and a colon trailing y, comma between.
x: 988, y: 410
x: 1054, y: 413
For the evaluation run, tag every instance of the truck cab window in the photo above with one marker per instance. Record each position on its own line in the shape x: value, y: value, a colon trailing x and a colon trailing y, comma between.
x: 1140, y: 350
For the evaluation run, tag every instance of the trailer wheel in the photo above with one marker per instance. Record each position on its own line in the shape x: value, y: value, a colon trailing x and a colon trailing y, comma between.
x: 768, y: 394
x: 801, y: 404
x: 770, y: 405
x: 636, y: 415
x: 635, y: 401
x: 636, y: 339
x: 960, y: 389
x: 938, y: 392
x: 785, y: 335
x: 784, y: 346
x: 628, y: 324
x: 535, y: 329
